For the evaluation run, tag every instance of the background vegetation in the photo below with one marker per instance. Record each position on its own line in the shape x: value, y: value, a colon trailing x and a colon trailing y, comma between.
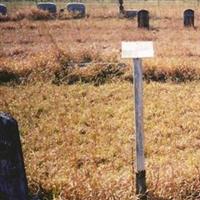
x: 113, y: 3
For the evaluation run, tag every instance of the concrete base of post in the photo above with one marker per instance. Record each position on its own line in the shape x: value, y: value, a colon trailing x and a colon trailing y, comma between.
x: 141, y: 188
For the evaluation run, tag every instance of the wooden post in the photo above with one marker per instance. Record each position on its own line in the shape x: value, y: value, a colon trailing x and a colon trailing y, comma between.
x: 138, y: 50
x: 140, y: 160
x: 13, y: 182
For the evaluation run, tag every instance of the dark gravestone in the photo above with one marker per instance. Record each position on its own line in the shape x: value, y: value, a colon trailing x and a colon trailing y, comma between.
x: 143, y: 19
x: 3, y: 9
x: 188, y: 16
x: 47, y: 6
x: 76, y: 9
x: 13, y: 182
x: 130, y: 13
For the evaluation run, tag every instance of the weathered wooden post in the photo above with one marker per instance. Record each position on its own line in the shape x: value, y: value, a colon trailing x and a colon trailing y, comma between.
x: 13, y: 182
x: 188, y: 16
x: 143, y: 19
x: 138, y: 50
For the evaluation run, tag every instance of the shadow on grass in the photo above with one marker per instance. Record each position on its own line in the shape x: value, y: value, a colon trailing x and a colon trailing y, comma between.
x: 152, y: 196
x: 8, y: 77
x: 50, y: 195
x: 36, y: 192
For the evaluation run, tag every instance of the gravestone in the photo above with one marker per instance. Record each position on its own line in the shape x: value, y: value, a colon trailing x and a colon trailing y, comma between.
x: 130, y: 13
x: 3, y: 9
x: 188, y: 16
x: 47, y: 6
x: 77, y: 9
x: 13, y: 182
x: 143, y: 19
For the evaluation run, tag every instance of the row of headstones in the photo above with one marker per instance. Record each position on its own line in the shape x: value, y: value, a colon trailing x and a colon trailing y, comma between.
x: 80, y: 9
x: 143, y: 17
x: 75, y: 8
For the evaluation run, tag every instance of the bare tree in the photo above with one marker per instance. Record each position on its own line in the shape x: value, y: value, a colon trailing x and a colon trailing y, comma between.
x: 121, y: 7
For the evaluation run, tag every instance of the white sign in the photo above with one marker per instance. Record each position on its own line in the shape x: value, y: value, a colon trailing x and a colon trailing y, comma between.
x: 139, y: 49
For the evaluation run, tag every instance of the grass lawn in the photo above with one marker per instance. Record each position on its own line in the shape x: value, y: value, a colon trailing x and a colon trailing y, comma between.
x: 78, y: 140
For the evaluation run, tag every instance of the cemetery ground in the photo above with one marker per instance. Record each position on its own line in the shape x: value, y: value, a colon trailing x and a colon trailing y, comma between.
x: 76, y: 119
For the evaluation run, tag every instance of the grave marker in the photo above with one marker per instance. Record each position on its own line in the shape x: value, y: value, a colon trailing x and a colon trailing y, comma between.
x: 143, y: 19
x: 77, y: 9
x: 47, y: 6
x: 3, y: 9
x: 138, y: 50
x: 130, y: 13
x: 188, y: 16
x: 13, y: 182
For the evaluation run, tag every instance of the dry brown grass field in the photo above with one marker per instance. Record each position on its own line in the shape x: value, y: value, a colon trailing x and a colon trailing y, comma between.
x: 76, y: 119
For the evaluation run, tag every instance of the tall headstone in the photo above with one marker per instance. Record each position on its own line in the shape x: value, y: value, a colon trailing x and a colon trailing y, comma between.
x: 3, y: 9
x: 47, y: 6
x: 143, y: 19
x: 13, y: 182
x: 77, y: 9
x: 188, y: 16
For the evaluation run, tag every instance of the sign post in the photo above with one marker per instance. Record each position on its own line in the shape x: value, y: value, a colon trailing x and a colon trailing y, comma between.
x: 137, y: 51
